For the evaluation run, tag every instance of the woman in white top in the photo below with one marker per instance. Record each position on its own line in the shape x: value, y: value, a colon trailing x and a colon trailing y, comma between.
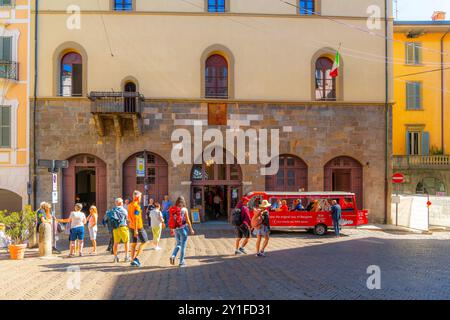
x: 92, y: 226
x: 157, y: 221
x: 77, y: 221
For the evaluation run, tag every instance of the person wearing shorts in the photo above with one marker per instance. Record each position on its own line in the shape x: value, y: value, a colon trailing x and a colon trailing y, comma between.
x: 120, y: 234
x: 261, y: 226
x: 137, y: 231
x: 92, y: 226
x: 77, y: 221
x: 243, y: 231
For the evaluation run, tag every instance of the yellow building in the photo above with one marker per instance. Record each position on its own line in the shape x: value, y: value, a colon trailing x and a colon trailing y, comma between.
x: 421, y: 134
x: 14, y: 114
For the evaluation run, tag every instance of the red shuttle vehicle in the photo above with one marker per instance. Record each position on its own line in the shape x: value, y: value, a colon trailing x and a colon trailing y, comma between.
x: 315, y: 211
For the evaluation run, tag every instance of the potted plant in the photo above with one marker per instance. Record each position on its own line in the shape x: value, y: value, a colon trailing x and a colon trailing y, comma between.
x: 18, y: 226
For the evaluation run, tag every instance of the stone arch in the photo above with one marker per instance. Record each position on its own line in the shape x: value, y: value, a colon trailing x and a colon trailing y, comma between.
x: 292, y: 174
x: 330, y: 53
x: 128, y: 79
x: 156, y: 172
x: 344, y: 173
x: 228, y: 55
x: 10, y: 200
x: 85, y: 178
x: 59, y: 53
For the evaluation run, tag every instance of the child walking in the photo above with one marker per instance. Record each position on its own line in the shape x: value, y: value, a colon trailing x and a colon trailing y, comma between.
x: 157, y: 222
x: 92, y: 226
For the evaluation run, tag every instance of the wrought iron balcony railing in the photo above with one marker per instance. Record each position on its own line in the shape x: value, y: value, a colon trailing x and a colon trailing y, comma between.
x: 421, y: 162
x: 116, y: 102
x: 7, y: 3
x: 9, y: 70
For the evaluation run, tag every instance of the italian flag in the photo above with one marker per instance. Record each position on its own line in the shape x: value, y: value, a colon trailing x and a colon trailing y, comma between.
x: 335, y: 69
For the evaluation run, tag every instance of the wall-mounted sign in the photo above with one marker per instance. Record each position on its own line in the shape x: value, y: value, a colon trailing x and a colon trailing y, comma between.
x: 140, y: 167
x: 195, y: 215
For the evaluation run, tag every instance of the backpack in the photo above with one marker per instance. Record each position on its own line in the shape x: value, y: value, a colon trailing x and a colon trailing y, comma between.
x: 114, y: 218
x: 175, y: 218
x: 236, y: 217
x: 257, y: 220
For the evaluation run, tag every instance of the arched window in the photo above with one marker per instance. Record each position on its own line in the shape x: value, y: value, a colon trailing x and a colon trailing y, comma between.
x: 292, y: 175
x: 130, y: 101
x: 216, y: 77
x: 71, y: 75
x: 325, y: 84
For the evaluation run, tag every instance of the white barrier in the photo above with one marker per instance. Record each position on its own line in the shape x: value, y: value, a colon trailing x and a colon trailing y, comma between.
x: 413, y: 212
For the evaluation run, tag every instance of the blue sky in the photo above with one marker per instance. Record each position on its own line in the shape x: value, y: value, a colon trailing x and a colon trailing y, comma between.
x: 420, y: 9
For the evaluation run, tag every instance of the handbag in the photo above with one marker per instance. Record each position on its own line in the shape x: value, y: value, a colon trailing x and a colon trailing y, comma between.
x: 60, y: 228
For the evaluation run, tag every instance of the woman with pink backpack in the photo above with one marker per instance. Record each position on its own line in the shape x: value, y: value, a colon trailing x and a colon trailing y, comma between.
x: 179, y: 223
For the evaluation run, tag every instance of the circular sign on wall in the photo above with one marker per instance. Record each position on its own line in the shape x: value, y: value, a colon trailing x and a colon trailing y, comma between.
x: 398, y: 178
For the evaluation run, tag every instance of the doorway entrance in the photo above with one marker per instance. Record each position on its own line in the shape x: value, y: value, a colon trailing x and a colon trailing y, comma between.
x: 84, y: 181
x: 215, y: 189
x: 345, y: 174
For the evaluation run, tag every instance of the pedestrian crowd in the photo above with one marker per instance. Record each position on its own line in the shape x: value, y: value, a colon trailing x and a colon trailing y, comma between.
x: 126, y: 225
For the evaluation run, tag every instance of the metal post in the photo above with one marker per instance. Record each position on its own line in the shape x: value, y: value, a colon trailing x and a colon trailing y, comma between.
x: 146, y: 199
x: 428, y: 212
x: 396, y: 206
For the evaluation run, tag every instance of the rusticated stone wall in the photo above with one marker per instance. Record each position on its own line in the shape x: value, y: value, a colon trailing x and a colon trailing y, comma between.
x: 316, y: 133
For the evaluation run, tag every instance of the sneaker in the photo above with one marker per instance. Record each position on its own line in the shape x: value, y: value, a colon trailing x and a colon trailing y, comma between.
x: 135, y: 263
x: 81, y: 254
x: 242, y: 250
x: 157, y: 248
x: 236, y: 252
x: 182, y: 264
x: 172, y: 260
x: 127, y: 259
x: 262, y: 254
x: 116, y: 259
x: 259, y: 254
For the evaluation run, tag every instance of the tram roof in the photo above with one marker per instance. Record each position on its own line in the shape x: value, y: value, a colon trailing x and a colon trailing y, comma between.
x: 316, y: 193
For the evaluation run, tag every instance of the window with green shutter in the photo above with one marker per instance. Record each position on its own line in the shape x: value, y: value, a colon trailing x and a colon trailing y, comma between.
x: 6, y: 64
x: 413, y: 95
x: 5, y: 127
x: 413, y: 52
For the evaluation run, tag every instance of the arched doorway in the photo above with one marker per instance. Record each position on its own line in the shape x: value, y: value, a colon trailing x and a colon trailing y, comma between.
x: 211, y: 182
x: 292, y: 175
x: 156, y: 173
x: 345, y: 174
x: 10, y: 201
x: 84, y: 181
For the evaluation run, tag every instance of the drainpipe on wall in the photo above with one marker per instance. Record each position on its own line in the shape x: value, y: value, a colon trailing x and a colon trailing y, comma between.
x: 386, y: 155
x: 34, y: 180
x: 443, y: 93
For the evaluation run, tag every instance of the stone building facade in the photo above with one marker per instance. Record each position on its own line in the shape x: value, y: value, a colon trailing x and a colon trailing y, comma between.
x: 109, y: 96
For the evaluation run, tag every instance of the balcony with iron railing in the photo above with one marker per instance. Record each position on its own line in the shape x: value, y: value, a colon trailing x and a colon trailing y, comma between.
x: 7, y: 3
x: 9, y: 70
x: 422, y: 162
x: 116, y: 106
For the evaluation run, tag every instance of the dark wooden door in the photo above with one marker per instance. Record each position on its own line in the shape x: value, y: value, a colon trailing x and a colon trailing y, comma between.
x: 345, y: 174
x: 156, y: 173
x: 68, y: 189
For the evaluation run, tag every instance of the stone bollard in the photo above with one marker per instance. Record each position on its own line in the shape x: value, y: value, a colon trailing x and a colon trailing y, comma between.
x: 33, y: 242
x: 45, y: 240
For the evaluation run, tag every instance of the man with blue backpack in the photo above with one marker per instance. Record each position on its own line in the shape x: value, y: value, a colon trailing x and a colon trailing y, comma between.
x: 117, y: 217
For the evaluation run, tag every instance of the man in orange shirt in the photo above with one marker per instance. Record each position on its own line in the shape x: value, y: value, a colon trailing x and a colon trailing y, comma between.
x: 137, y: 230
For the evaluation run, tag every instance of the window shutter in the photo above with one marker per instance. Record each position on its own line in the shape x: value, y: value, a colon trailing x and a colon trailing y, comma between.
x: 77, y: 80
x: 425, y: 143
x: 417, y: 95
x: 5, y: 127
x: 408, y: 143
x: 6, y: 48
x: 417, y: 53
x: 408, y: 52
x: 408, y: 95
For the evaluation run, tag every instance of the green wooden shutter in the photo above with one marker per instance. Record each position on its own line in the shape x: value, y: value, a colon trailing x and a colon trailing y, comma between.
x: 425, y: 143
x: 77, y: 80
x: 5, y: 127
x: 5, y: 48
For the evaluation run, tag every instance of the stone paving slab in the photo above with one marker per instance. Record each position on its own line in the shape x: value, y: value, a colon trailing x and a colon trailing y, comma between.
x: 298, y: 266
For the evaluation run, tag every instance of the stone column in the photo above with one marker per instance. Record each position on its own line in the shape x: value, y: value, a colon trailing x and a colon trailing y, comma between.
x: 45, y: 240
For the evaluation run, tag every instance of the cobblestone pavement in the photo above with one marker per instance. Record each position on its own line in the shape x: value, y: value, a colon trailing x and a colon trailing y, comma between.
x: 298, y: 266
